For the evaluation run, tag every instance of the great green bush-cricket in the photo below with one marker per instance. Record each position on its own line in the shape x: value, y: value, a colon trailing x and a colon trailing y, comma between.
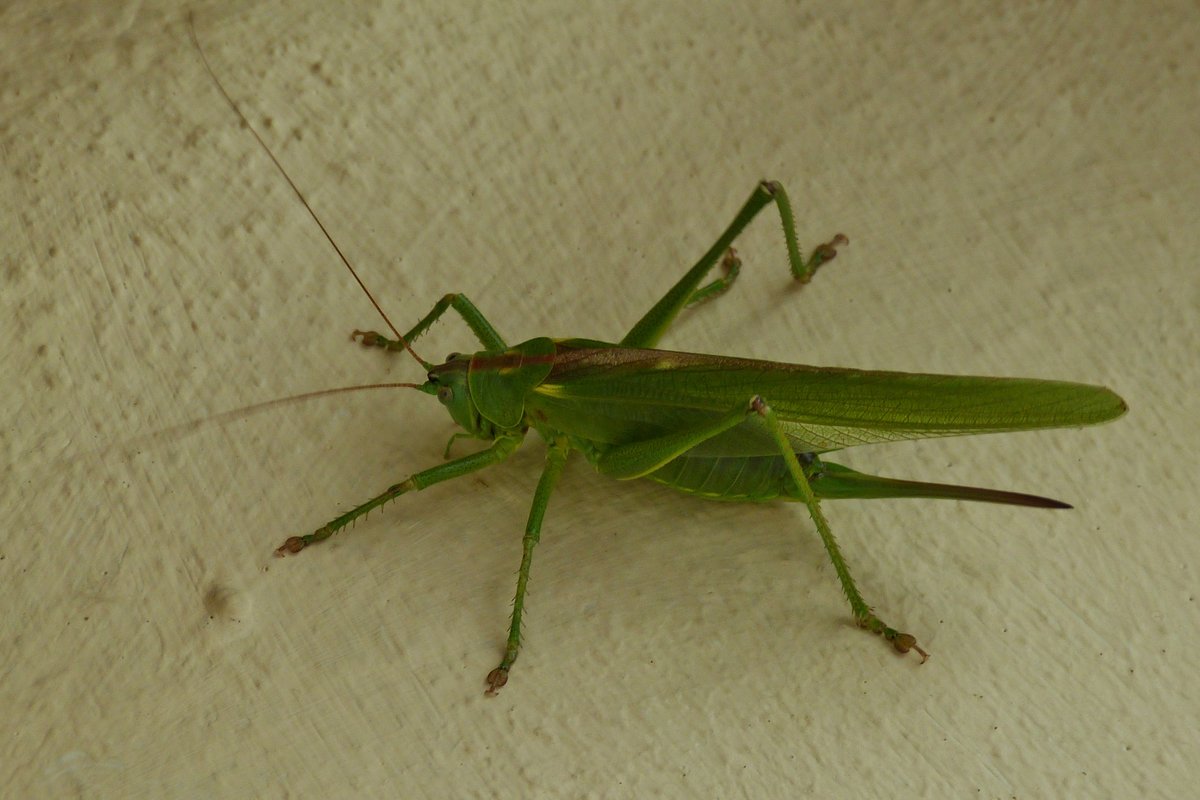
x: 722, y: 428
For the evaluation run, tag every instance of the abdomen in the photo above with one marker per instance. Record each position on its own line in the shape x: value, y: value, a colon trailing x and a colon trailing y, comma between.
x: 736, y: 478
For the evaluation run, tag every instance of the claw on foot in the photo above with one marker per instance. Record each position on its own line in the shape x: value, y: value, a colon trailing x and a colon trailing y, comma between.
x: 369, y: 338
x: 294, y: 544
x: 828, y: 251
x: 905, y: 642
x: 496, y: 679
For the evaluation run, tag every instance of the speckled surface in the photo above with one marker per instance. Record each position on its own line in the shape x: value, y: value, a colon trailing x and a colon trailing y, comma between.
x: 1020, y: 191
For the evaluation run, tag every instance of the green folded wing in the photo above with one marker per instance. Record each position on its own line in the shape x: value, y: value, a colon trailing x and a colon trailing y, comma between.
x: 609, y: 394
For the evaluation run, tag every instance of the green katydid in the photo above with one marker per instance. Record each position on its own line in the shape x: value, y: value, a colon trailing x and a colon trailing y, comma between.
x: 718, y: 427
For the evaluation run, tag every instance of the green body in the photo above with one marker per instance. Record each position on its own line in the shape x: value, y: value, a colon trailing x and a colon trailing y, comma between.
x: 603, y: 396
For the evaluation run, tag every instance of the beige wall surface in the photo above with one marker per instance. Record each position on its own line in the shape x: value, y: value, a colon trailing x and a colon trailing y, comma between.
x: 1020, y: 186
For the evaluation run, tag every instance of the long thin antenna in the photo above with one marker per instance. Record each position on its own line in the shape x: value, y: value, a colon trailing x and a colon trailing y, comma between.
x: 295, y: 188
x: 245, y: 411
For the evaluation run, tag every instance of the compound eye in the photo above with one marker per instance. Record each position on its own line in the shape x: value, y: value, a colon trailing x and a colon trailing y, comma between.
x: 445, y: 394
x: 453, y: 356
